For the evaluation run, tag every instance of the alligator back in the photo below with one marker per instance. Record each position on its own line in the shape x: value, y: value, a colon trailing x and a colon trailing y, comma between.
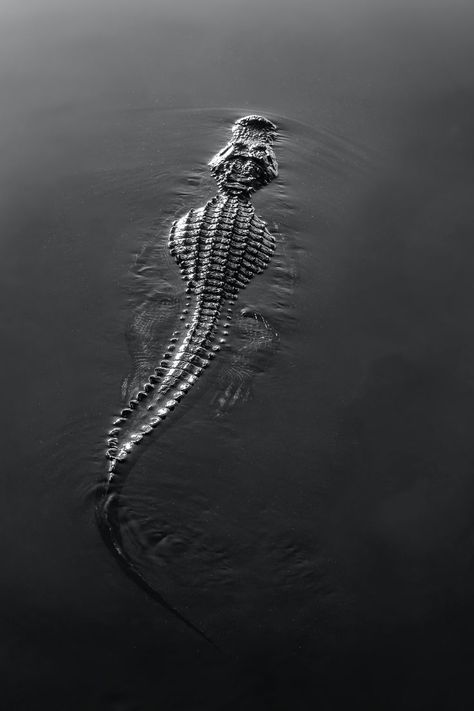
x: 219, y: 248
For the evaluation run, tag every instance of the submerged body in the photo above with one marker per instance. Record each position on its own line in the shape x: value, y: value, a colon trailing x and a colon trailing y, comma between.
x: 219, y: 248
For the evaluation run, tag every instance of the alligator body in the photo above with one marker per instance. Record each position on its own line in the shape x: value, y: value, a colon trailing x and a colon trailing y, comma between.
x: 219, y: 248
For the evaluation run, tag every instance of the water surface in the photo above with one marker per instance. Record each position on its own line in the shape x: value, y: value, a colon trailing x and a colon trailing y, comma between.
x: 320, y: 528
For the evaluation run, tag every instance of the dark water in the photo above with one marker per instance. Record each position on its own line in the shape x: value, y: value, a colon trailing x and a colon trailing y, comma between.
x: 312, y: 506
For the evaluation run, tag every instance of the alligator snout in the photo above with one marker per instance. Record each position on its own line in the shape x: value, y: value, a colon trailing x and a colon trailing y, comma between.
x: 247, y: 161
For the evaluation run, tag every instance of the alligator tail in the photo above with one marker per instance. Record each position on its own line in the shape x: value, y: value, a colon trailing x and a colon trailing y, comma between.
x: 107, y: 515
x: 190, y: 351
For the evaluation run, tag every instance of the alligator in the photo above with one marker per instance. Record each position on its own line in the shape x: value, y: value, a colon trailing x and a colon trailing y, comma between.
x: 219, y: 248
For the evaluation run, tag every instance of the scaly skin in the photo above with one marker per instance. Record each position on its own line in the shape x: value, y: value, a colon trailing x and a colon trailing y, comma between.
x: 219, y: 248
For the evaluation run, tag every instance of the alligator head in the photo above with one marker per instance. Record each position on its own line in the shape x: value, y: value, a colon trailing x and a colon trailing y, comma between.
x: 247, y: 162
